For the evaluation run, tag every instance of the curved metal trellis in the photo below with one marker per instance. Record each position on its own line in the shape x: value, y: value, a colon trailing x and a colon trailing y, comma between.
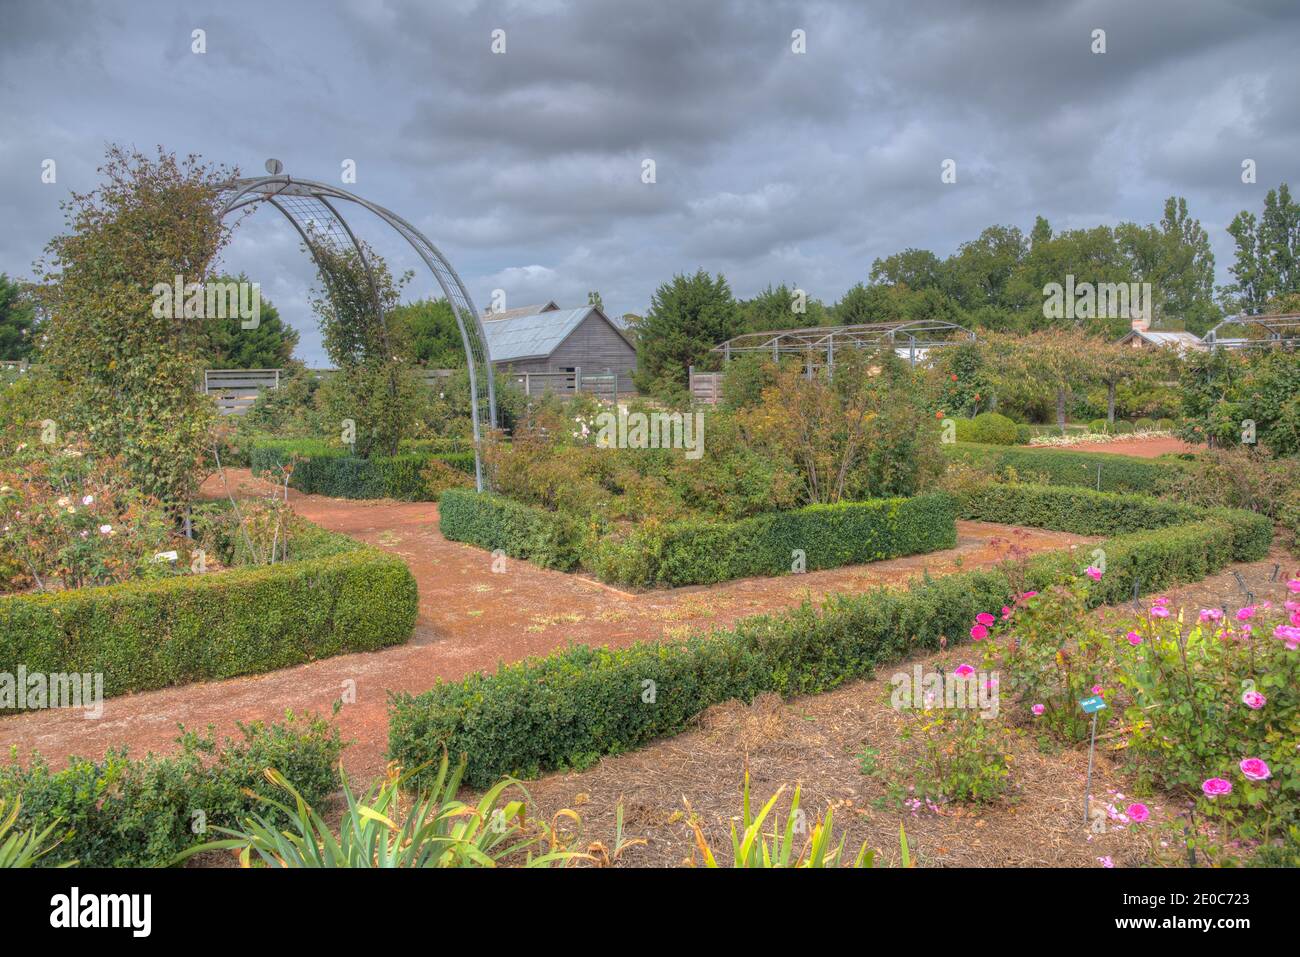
x: 307, y: 205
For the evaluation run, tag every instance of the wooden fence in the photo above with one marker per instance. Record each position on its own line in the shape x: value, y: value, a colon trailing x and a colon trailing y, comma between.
x: 706, y: 387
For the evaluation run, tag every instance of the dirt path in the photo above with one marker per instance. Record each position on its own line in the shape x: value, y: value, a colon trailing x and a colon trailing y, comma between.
x: 1141, y: 448
x: 470, y: 619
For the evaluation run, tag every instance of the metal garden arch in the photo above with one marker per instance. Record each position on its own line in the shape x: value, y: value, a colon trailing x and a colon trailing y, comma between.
x: 311, y: 208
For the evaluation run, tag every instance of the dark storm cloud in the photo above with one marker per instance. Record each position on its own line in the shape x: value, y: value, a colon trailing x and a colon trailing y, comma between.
x: 525, y: 168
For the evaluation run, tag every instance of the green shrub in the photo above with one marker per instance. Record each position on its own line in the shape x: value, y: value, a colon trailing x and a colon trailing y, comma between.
x: 142, y: 813
x: 1085, y: 512
x: 1124, y: 428
x: 321, y: 469
x: 1165, y: 425
x: 698, y: 552
x: 1100, y: 427
x: 1024, y: 434
x: 987, y: 427
x: 1119, y: 473
x: 205, y: 627
x: 549, y: 539
x: 1289, y: 515
x: 1144, y: 425
x: 571, y: 707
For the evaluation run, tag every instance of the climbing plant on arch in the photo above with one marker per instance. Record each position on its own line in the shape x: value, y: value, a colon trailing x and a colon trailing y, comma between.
x: 313, y: 209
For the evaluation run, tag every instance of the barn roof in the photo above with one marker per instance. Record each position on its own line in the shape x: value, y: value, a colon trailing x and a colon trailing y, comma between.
x: 548, y: 306
x: 516, y: 338
x: 1178, y: 340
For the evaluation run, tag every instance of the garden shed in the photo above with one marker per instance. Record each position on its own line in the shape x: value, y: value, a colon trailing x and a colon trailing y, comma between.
x: 578, y: 342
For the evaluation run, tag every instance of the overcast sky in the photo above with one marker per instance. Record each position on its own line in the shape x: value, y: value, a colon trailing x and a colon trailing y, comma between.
x: 525, y: 167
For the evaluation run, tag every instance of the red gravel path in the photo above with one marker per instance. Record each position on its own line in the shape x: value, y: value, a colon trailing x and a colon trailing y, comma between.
x: 469, y: 619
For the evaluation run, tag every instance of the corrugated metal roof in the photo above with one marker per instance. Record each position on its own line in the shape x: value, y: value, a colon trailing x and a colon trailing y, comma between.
x: 532, y: 310
x: 531, y: 337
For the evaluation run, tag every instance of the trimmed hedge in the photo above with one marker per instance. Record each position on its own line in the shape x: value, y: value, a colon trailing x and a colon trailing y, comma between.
x: 152, y: 634
x: 830, y: 536
x: 492, y: 521
x: 1119, y: 473
x: 569, y: 708
x: 987, y: 427
x: 142, y: 813
x: 322, y: 469
x: 1085, y: 512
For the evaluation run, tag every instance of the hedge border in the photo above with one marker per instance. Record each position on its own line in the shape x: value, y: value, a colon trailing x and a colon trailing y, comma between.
x: 154, y: 634
x: 322, y: 470
x: 571, y: 707
x: 1119, y: 473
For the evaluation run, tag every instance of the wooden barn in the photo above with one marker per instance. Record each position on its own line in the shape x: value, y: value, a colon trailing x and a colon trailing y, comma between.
x: 550, y: 341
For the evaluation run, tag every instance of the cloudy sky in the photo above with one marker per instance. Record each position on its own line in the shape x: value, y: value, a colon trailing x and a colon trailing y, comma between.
x: 525, y: 166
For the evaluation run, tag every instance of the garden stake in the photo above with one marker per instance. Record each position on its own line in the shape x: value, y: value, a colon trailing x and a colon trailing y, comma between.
x: 1090, y: 706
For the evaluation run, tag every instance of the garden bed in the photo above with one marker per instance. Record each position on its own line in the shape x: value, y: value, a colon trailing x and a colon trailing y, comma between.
x: 322, y: 469
x: 333, y: 596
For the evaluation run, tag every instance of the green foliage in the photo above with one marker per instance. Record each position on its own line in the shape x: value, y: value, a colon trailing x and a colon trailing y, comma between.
x: 320, y: 468
x: 744, y: 379
x: 426, y: 331
x: 127, y: 370
x: 1267, y: 262
x: 18, y: 331
x: 699, y: 552
x: 988, y: 428
x: 1234, y: 478
x: 688, y: 316
x: 548, y: 539
x: 219, y: 624
x: 1119, y: 473
x: 228, y: 345
x: 780, y: 308
x: 961, y: 754
x: 25, y: 848
x: 1226, y: 389
x: 142, y: 813
x: 380, y: 830
x: 568, y: 708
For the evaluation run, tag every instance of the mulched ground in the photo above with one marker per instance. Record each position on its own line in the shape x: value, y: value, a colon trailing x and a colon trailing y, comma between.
x: 816, y: 741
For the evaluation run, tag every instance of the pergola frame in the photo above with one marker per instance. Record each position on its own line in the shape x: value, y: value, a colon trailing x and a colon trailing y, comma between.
x: 311, y: 208
x: 920, y: 334
x: 1281, y: 329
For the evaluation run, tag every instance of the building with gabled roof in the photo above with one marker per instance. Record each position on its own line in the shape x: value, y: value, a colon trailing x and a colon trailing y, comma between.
x: 556, y: 340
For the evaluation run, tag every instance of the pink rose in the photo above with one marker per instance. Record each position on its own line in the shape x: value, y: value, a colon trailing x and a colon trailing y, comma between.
x: 1106, y: 861
x: 1246, y: 613
x: 1096, y: 689
x: 1159, y: 611
x: 979, y: 632
x: 1294, y: 584
x: 1213, y: 787
x: 1038, y: 709
x: 1093, y: 573
x: 1255, y: 769
x: 1211, y: 614
x: 963, y: 671
x: 1253, y: 700
x: 984, y: 618
x: 1134, y: 638
x: 1138, y: 812
x: 1290, y: 634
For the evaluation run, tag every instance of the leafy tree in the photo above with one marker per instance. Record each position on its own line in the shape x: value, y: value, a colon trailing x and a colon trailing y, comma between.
x: 17, y: 321
x: 780, y: 308
x: 687, y: 317
x: 427, y: 332
x: 1061, y: 358
x: 593, y: 299
x: 268, y: 346
x: 1267, y: 260
x: 127, y: 371
x: 914, y: 268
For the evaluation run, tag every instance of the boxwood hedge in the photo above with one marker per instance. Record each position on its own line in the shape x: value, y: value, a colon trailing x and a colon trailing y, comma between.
x: 143, y: 812
x: 699, y: 552
x: 569, y: 708
x: 1119, y: 473
x: 204, y: 627
x: 322, y: 469
x: 491, y: 521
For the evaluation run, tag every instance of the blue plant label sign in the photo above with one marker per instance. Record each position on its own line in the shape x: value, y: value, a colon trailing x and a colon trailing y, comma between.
x: 1093, y: 704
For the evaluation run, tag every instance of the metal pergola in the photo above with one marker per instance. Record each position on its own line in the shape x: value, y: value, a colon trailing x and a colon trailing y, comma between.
x: 313, y: 209
x: 917, y: 337
x: 1281, y: 329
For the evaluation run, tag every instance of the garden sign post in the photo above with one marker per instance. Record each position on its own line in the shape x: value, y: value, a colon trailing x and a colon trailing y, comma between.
x: 1090, y: 706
